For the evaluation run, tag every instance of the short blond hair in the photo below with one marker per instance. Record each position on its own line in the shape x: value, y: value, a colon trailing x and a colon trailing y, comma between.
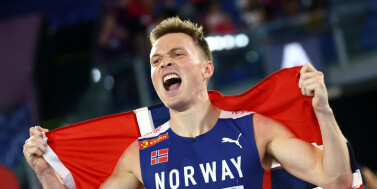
x: 176, y: 25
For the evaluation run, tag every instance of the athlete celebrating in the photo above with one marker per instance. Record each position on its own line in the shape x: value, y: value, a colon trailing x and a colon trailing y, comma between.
x: 202, y: 146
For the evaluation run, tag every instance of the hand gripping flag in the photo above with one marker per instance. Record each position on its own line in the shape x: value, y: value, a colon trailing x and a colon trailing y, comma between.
x: 84, y: 154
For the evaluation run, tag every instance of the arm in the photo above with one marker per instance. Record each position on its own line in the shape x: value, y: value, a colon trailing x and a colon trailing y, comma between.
x: 34, y: 148
x: 127, y: 173
x: 335, y: 152
x: 303, y: 160
x: 329, y: 168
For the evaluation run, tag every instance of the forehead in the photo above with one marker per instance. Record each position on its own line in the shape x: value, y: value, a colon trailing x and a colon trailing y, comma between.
x: 170, y: 41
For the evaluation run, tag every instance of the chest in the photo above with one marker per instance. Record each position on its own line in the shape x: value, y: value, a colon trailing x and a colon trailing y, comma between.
x: 223, y: 157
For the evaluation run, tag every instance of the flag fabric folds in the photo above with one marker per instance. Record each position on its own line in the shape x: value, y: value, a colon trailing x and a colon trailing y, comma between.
x: 84, y: 154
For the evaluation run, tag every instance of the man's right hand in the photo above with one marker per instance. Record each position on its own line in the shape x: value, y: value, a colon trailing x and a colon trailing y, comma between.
x: 34, y: 148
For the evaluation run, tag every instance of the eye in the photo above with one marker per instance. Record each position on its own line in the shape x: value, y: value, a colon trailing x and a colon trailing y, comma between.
x: 156, y: 61
x: 178, y: 54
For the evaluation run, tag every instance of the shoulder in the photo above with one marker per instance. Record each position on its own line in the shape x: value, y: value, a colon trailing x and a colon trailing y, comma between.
x: 267, y: 131
x: 131, y: 155
x: 127, y: 172
x: 269, y: 128
x: 129, y: 162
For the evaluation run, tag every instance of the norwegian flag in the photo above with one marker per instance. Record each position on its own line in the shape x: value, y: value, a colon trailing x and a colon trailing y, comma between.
x: 73, y: 153
x: 159, y: 156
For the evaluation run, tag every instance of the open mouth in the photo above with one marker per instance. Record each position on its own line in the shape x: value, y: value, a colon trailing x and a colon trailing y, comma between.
x: 172, y: 82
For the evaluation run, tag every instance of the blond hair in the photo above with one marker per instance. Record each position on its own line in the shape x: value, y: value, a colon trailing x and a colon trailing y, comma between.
x: 176, y: 25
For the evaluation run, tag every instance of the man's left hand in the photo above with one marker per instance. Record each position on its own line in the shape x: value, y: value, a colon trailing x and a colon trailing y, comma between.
x: 312, y: 84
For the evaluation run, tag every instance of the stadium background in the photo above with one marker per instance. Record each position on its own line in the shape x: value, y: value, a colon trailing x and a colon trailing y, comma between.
x: 66, y: 61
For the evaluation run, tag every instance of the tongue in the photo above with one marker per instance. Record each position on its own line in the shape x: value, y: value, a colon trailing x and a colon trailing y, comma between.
x: 174, y: 87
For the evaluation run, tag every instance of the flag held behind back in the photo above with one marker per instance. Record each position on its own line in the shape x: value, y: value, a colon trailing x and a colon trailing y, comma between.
x: 88, y: 151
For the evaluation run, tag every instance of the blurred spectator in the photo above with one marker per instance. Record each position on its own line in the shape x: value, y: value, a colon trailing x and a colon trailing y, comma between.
x: 217, y: 21
x: 253, y: 13
x: 113, y: 38
x: 138, y: 15
x: 213, y: 18
x: 124, y: 27
x: 226, y: 25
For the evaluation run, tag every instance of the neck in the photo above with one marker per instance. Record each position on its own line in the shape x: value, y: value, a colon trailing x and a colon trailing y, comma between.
x: 196, y: 120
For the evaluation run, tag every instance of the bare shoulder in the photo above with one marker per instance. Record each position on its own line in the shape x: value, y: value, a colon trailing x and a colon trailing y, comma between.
x: 127, y: 173
x: 129, y: 162
x: 131, y: 155
x: 269, y: 128
x: 265, y: 131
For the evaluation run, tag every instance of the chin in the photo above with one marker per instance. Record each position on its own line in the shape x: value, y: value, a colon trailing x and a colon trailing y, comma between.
x: 176, y: 105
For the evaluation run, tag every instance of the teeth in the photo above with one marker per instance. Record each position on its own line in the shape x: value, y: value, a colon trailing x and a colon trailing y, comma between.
x: 170, y: 76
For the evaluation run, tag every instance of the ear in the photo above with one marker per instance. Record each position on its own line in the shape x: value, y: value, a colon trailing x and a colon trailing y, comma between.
x: 208, y: 69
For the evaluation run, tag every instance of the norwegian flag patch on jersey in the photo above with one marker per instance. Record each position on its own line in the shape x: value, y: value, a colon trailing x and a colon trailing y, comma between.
x: 159, y: 156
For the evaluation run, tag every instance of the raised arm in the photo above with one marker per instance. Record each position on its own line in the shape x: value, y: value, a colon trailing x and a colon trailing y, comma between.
x: 34, y: 149
x: 329, y: 168
x: 127, y: 173
x: 335, y: 152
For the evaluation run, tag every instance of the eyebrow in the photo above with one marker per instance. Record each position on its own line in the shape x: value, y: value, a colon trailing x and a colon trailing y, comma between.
x: 170, y: 51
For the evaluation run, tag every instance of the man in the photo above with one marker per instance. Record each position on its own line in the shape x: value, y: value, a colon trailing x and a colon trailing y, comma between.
x: 203, y: 146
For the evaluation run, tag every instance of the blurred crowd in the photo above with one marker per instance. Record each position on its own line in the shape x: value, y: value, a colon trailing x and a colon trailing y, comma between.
x: 125, y: 24
x: 65, y: 33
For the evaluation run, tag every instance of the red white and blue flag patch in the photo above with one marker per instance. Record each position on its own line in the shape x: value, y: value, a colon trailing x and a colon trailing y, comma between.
x: 159, y: 156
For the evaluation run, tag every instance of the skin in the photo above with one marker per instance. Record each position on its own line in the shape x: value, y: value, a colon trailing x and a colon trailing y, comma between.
x: 193, y: 114
x: 34, y: 148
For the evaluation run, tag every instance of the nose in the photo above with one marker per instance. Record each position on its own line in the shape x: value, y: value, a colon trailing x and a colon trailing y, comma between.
x: 163, y: 65
x: 166, y: 62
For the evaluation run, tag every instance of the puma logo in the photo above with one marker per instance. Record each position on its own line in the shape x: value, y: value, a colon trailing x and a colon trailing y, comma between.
x: 233, y: 141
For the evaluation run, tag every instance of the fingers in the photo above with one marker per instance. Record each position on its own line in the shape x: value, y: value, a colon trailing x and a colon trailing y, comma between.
x: 307, y: 68
x: 37, y: 131
x: 35, y: 145
x: 310, y: 80
x: 312, y: 84
x: 42, y: 129
x: 305, y: 76
x: 31, y: 150
x: 309, y: 89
